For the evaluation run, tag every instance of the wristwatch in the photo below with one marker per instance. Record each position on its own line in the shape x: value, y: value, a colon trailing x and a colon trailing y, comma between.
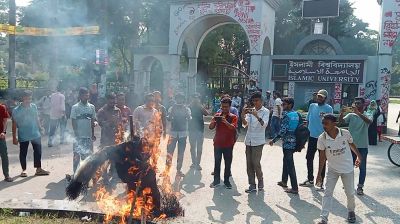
x: 259, y: 119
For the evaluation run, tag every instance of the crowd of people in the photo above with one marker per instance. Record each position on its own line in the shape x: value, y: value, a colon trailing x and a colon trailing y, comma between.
x: 264, y: 117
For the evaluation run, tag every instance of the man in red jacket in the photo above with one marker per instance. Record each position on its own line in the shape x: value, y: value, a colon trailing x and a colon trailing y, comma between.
x: 225, y: 124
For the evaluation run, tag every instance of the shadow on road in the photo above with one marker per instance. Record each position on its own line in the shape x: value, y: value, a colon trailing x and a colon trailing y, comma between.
x: 224, y: 204
x: 261, y: 209
x: 56, y: 191
x: 192, y: 181
x: 378, y: 210
x: 303, y: 211
x: 17, y: 181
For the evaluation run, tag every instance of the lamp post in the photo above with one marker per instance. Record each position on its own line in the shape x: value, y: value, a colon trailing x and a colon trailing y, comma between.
x: 12, y: 79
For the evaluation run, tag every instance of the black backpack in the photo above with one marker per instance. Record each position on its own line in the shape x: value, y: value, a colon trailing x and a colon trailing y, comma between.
x: 302, y: 134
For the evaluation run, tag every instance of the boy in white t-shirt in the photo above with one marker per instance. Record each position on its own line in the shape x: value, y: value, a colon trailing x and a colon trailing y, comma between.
x: 337, y: 145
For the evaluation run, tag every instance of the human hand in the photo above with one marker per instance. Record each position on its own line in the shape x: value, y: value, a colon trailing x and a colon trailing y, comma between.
x: 356, y: 111
x: 254, y: 113
x: 2, y: 136
x: 358, y: 162
x: 95, y: 123
x: 15, y: 141
x: 271, y: 143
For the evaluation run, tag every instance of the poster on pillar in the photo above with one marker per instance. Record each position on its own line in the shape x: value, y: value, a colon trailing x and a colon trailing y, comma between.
x: 390, y: 25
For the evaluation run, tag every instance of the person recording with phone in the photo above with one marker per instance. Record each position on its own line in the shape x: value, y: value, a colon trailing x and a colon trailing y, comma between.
x: 225, y: 124
x: 256, y: 119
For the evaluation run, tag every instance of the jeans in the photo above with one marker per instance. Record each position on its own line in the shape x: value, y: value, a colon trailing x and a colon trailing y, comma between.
x: 348, y: 184
x: 311, y: 150
x: 54, y: 123
x: 275, y: 126
x: 37, y: 153
x: 196, y: 139
x: 171, y: 149
x: 288, y: 169
x: 253, y: 158
x: 82, y: 148
x: 4, y: 157
x: 363, y: 166
x: 227, y: 153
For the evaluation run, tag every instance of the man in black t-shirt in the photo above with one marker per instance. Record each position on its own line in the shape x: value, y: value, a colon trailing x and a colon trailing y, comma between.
x: 196, y: 131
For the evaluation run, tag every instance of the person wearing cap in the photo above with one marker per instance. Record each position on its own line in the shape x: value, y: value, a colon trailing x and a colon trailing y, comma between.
x: 316, y: 112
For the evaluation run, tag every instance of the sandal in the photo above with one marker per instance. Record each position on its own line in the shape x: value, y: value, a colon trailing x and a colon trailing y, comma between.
x: 23, y: 174
x: 8, y: 179
x: 42, y: 172
x: 280, y: 183
x: 291, y: 191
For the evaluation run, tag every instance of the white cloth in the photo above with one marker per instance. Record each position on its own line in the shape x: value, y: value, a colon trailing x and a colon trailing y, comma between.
x: 236, y: 101
x: 57, y: 106
x: 278, y: 102
x: 255, y: 135
x: 337, y: 151
x: 143, y: 118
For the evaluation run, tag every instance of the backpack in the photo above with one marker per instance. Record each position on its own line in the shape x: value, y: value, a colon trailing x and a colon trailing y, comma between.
x: 302, y: 134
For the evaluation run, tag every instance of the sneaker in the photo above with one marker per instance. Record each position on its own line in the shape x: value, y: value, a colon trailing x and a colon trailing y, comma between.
x: 307, y: 183
x: 284, y: 185
x: 291, y: 191
x: 261, y: 185
x: 8, y: 179
x: 252, y: 188
x: 214, y: 184
x: 41, y: 172
x: 212, y: 173
x: 351, y: 217
x: 228, y: 185
x: 322, y: 222
x: 49, y: 145
x: 360, y: 191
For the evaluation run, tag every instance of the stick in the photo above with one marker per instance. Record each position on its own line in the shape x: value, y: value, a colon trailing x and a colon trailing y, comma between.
x: 130, y: 220
x: 131, y: 127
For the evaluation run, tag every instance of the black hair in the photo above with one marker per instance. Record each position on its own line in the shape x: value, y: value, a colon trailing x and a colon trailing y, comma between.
x: 278, y: 94
x: 110, y: 96
x: 330, y: 117
x: 360, y: 98
x: 83, y: 91
x: 289, y: 100
x: 26, y: 93
x: 256, y: 95
x: 226, y: 100
x: 148, y: 96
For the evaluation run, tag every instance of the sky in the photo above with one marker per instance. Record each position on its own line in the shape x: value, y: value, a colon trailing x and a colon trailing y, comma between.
x: 366, y: 10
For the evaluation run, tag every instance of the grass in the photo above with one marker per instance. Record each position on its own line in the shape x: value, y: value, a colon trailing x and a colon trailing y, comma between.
x: 395, y: 101
x: 7, y: 216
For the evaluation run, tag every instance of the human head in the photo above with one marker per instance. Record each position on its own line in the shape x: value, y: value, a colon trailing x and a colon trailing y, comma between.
x: 315, y: 95
x: 277, y: 95
x: 378, y: 102
x: 321, y: 96
x: 121, y: 99
x: 149, y: 100
x: 373, y: 105
x: 268, y: 94
x: 287, y: 103
x: 110, y: 99
x: 180, y: 99
x: 26, y: 97
x: 256, y: 99
x: 157, y: 96
x: 195, y: 98
x: 359, y: 102
x: 83, y: 95
x: 226, y: 105
x: 329, y: 122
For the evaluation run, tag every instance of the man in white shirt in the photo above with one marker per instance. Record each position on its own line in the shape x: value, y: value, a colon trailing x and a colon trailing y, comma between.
x: 336, y: 146
x: 57, y: 116
x: 256, y: 120
x: 276, y: 114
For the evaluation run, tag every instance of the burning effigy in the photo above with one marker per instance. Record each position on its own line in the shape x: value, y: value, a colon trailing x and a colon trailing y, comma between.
x: 134, y: 163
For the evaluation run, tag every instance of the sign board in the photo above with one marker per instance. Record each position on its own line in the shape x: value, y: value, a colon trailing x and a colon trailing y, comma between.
x: 34, y: 31
x: 318, y: 71
x: 320, y: 8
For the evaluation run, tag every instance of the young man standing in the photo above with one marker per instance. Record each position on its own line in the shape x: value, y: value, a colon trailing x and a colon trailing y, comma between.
x: 3, y: 146
x: 225, y: 124
x: 256, y: 120
x: 276, y: 114
x: 57, y: 116
x: 291, y: 119
x: 196, y: 131
x: 336, y: 146
x: 358, y: 122
x: 26, y: 120
x: 144, y: 116
x: 109, y: 117
x: 125, y: 110
x: 179, y: 115
x: 83, y: 116
x: 316, y: 112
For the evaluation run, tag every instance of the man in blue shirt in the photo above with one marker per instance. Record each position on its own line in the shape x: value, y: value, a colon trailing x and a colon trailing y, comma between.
x: 25, y: 118
x: 316, y: 112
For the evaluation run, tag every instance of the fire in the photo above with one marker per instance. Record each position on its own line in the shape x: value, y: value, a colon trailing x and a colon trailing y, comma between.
x: 116, y: 207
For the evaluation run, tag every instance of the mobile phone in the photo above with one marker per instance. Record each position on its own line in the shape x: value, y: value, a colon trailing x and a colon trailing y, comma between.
x: 218, y: 118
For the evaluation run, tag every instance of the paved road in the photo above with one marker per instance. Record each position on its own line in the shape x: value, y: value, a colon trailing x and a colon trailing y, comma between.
x: 205, y: 205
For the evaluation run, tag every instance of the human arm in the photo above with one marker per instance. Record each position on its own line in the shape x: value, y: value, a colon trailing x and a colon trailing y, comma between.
x: 322, y: 159
x: 343, y: 119
x: 263, y: 118
x: 354, y: 149
x: 14, y: 132
x: 244, y: 117
x: 283, y: 131
x: 204, y: 111
x: 365, y: 118
x: 213, y: 123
